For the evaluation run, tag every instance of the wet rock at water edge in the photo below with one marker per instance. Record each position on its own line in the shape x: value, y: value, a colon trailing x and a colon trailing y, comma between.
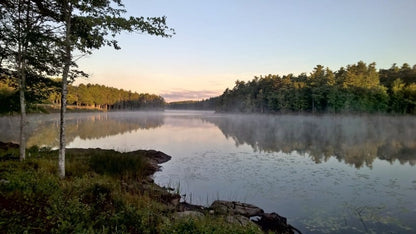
x: 236, y: 208
x: 184, y: 206
x: 272, y: 222
x: 240, y: 213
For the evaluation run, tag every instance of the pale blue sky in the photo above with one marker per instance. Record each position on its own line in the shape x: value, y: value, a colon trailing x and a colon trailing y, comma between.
x: 220, y: 41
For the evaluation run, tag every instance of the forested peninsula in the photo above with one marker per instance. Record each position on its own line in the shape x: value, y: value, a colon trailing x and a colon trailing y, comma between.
x: 42, y: 90
x: 356, y: 88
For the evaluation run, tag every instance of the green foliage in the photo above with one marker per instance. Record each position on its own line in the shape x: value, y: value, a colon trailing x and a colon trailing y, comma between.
x: 9, y: 95
x: 356, y: 88
x: 24, y: 196
x: 38, y: 90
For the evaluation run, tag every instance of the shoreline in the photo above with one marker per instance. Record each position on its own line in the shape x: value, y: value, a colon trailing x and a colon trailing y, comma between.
x: 54, y: 109
x: 103, y: 162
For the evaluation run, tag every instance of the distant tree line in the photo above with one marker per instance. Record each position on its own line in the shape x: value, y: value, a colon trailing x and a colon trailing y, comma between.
x: 356, y: 88
x: 206, y: 104
x: 108, y: 98
x: 41, y: 90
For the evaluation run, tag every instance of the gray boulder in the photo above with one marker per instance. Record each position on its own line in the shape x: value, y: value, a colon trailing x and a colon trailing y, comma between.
x: 236, y: 208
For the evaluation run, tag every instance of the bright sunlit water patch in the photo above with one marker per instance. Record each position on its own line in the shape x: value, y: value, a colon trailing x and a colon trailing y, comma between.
x: 324, y: 173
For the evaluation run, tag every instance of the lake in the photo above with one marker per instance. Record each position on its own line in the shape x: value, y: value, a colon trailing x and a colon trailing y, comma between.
x: 353, y: 173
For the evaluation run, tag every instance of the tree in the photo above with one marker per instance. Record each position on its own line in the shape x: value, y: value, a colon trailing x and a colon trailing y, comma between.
x: 89, y: 25
x: 24, y: 48
x: 319, y: 80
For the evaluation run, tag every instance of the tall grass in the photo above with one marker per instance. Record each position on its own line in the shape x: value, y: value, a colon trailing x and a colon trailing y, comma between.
x: 118, y: 164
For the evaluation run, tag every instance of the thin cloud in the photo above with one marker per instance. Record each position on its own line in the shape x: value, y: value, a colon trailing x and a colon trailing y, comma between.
x: 183, y: 94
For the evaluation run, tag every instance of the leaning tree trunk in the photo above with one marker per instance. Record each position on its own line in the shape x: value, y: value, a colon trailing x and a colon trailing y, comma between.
x: 67, y: 64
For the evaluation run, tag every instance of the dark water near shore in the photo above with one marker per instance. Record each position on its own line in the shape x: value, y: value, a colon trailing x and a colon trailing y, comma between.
x: 324, y: 173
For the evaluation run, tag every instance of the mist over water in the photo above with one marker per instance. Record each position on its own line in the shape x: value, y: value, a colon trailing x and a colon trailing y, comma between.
x: 324, y: 173
x: 355, y: 140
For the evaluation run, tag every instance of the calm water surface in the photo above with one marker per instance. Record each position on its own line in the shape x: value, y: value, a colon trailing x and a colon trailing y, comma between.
x: 324, y: 173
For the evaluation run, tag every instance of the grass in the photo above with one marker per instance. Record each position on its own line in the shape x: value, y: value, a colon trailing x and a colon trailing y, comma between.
x: 104, y: 192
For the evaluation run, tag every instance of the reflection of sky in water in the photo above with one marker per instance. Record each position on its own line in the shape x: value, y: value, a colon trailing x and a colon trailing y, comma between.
x: 311, y: 195
x: 324, y: 197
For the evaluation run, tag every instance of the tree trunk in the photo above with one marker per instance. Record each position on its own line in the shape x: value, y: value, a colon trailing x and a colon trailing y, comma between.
x: 21, y: 66
x: 67, y: 64
x: 22, y: 140
x: 62, y: 142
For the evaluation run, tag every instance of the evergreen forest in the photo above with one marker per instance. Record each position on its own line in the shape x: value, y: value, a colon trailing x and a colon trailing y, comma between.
x: 43, y: 90
x: 356, y: 88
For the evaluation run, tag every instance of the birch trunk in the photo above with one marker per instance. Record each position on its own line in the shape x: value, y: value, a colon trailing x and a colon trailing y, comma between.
x: 21, y: 66
x: 67, y: 64
x: 62, y: 141
x: 22, y: 140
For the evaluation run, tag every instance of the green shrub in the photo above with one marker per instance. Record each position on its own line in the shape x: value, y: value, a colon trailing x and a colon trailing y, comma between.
x: 24, y: 197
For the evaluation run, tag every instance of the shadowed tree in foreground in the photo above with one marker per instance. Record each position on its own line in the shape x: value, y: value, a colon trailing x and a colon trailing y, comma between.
x: 25, y: 49
x: 89, y: 25
x: 42, y: 36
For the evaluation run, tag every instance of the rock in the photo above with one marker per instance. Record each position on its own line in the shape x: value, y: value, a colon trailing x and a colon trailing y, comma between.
x: 275, y: 223
x: 184, y: 206
x: 236, y: 208
x: 238, y: 219
x: 239, y: 213
x: 188, y: 214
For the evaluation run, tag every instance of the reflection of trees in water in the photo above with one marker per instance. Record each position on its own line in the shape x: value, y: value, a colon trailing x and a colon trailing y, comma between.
x: 357, y: 140
x: 84, y: 126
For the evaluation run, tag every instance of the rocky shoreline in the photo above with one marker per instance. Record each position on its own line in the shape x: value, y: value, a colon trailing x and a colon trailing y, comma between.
x: 233, y: 211
x: 238, y: 213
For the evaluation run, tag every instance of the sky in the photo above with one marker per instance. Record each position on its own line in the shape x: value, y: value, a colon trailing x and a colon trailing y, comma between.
x: 220, y: 41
